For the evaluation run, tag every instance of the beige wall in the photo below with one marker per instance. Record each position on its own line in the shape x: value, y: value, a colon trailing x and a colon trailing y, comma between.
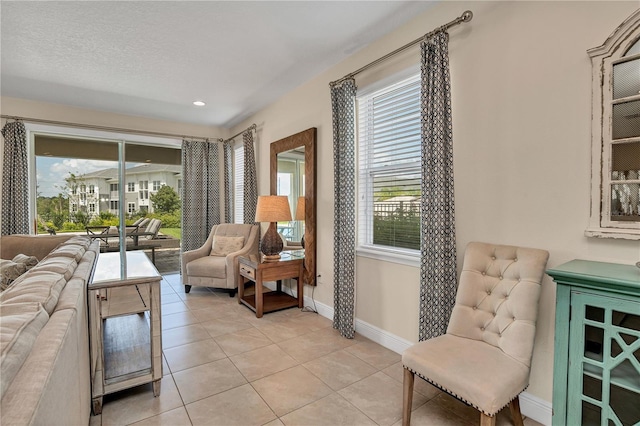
x: 521, y: 83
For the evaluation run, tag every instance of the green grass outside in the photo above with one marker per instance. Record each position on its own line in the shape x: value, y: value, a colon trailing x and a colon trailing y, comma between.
x: 173, y: 232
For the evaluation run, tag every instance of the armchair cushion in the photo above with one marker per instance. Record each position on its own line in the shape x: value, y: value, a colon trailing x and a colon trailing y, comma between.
x: 209, y: 266
x: 224, y: 245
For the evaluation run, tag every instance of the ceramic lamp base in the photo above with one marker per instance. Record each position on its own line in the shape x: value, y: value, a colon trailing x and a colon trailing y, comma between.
x: 271, y: 243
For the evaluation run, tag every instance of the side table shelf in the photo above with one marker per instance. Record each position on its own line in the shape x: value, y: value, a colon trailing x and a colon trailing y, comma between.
x: 124, y: 325
x: 253, y: 268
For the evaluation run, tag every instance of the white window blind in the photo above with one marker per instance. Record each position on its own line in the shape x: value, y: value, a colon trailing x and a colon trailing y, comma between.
x: 238, y: 183
x: 389, y: 167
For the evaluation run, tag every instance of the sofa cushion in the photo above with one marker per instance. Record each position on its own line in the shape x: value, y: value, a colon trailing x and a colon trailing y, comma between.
x: 20, y: 324
x: 36, y: 286
x: 58, y: 264
x: 74, y: 251
x: 80, y: 240
x: 223, y: 245
x: 9, y: 272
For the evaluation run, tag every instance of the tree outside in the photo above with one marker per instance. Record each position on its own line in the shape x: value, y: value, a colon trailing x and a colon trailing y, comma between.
x: 165, y: 201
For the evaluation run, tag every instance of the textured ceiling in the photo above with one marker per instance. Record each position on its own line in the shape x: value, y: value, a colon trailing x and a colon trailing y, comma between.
x: 153, y: 59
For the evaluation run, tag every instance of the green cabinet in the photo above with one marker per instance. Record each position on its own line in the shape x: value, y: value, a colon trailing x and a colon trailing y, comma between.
x: 596, y: 377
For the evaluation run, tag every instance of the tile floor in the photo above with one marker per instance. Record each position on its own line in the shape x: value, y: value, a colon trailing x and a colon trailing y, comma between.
x: 224, y: 366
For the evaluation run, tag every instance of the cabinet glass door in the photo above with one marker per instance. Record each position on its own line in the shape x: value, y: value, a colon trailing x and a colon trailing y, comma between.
x: 604, y: 343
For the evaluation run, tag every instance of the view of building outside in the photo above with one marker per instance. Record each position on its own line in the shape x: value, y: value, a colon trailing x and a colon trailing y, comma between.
x: 67, y: 200
x: 98, y: 191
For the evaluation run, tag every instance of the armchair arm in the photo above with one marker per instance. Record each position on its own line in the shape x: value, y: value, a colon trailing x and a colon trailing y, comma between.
x: 191, y: 255
x: 231, y: 262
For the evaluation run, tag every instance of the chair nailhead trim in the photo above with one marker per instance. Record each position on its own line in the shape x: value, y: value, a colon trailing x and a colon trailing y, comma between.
x: 459, y: 397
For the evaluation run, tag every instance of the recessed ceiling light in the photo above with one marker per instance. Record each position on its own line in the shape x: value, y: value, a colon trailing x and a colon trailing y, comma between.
x: 199, y: 103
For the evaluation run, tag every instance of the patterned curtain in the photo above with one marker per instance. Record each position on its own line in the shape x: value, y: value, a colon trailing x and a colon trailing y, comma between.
x: 438, y: 280
x: 250, y: 179
x: 15, y: 182
x: 228, y: 182
x: 200, y: 191
x: 344, y: 184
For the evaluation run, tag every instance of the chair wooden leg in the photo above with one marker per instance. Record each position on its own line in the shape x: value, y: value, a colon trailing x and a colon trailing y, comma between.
x: 487, y: 420
x: 407, y: 397
x: 514, y: 406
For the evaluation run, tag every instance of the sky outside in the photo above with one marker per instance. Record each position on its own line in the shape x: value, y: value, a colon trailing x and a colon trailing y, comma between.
x: 51, y: 172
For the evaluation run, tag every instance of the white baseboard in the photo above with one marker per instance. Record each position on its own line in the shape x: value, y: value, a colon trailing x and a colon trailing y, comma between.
x: 530, y: 405
x: 535, y: 408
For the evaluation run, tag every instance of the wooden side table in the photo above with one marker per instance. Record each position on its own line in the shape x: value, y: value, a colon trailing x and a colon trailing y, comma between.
x: 255, y: 269
x: 124, y: 325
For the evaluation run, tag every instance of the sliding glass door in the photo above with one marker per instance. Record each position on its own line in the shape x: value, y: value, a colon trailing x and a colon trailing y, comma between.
x: 124, y: 192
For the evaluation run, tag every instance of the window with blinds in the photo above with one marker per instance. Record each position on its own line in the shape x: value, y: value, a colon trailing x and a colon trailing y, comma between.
x: 238, y: 183
x: 389, y: 167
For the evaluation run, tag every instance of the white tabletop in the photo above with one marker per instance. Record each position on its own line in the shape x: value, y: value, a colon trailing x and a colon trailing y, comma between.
x: 108, y: 267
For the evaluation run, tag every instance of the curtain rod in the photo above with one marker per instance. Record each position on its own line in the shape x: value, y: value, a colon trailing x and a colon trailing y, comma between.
x: 252, y: 127
x: 104, y: 128
x: 465, y: 17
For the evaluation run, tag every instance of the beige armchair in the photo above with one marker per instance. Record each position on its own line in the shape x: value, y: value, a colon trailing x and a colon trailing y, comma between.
x: 290, y: 245
x: 485, y: 357
x: 215, y: 264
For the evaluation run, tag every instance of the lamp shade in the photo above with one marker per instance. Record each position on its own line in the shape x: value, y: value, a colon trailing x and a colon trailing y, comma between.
x: 273, y: 208
x: 300, y: 209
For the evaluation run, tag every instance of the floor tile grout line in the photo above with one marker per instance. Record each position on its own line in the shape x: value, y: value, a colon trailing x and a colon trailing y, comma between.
x: 277, y: 324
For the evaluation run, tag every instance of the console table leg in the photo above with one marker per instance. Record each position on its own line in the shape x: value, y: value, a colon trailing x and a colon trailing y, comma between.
x: 156, y: 387
x: 96, y: 404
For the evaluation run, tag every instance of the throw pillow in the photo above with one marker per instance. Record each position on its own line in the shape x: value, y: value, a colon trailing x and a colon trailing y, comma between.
x: 28, y: 261
x: 223, y: 245
x: 9, y: 272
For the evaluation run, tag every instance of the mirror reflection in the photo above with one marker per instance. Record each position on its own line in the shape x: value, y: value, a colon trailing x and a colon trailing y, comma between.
x: 290, y: 182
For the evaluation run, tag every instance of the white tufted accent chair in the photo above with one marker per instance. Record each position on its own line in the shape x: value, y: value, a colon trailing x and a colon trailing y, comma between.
x: 484, y: 358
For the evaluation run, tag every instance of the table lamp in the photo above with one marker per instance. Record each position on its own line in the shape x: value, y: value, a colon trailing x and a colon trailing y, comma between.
x: 300, y: 215
x: 272, y: 209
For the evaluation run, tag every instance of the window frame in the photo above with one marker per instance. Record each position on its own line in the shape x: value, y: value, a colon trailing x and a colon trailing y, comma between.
x: 365, y: 246
x: 143, y: 189
x: 603, y: 58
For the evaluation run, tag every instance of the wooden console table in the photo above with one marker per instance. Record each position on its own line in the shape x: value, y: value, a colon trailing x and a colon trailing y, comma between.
x: 255, y: 269
x: 124, y: 325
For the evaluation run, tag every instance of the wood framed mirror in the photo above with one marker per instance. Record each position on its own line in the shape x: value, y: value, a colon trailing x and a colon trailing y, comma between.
x: 293, y: 173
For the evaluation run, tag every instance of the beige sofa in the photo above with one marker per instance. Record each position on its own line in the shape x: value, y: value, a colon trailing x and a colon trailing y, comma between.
x: 45, y: 367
